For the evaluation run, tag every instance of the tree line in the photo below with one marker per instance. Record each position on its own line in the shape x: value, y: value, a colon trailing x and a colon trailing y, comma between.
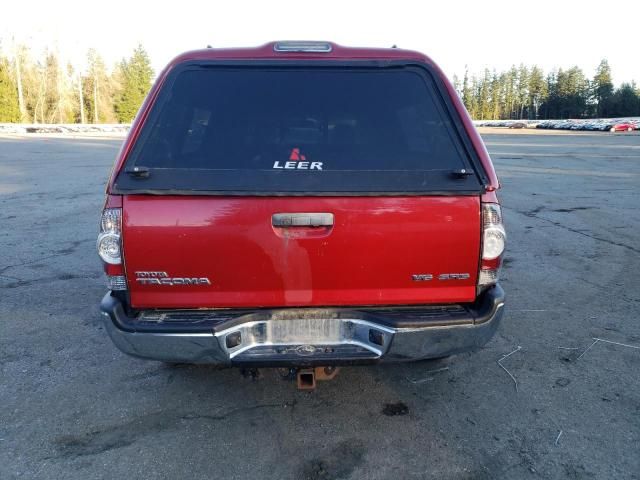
x: 44, y: 90
x: 528, y: 93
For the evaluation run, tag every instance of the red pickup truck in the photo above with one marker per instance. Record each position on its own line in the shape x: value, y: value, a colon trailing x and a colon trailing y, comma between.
x: 301, y: 204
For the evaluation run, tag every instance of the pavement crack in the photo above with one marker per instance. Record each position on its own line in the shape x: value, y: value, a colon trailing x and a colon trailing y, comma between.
x: 234, y: 411
x: 61, y: 253
x: 18, y: 283
x: 534, y: 214
x: 9, y: 277
x: 99, y: 440
x: 621, y: 295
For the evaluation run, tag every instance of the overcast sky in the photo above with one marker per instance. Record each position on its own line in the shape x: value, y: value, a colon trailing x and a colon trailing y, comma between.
x: 483, y: 33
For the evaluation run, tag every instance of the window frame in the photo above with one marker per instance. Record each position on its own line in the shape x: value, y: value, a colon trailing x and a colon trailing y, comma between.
x: 468, y: 185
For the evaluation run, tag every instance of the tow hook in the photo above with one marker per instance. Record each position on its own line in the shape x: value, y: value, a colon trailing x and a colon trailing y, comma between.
x: 307, y: 376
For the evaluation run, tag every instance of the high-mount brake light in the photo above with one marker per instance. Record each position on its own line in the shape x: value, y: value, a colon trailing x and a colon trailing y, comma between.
x: 317, y: 47
x: 494, y: 238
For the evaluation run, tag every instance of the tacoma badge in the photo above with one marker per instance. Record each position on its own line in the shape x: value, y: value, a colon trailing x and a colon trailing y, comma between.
x: 162, y: 278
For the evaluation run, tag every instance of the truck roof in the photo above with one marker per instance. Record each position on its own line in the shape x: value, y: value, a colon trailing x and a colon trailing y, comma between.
x: 297, y: 50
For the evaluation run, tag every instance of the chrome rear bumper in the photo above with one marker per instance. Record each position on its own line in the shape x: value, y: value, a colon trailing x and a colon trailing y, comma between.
x: 304, y: 337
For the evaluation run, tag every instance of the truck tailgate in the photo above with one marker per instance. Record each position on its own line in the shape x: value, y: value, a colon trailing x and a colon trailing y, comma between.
x: 376, y: 251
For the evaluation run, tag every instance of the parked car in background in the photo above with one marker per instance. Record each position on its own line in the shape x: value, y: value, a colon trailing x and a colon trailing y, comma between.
x: 605, y: 124
x: 622, y: 127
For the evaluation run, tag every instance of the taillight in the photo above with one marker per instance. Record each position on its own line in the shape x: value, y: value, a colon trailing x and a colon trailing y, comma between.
x: 109, y: 246
x: 109, y: 238
x: 494, y: 240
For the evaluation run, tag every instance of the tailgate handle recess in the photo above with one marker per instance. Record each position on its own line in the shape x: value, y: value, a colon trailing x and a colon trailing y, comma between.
x: 287, y: 220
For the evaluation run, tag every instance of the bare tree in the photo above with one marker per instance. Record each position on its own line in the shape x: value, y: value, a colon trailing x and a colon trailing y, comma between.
x: 82, y: 119
x: 95, y: 96
x: 23, y: 110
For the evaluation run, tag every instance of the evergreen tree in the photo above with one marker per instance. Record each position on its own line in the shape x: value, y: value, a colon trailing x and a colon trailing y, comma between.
x: 467, y: 91
x: 495, y: 97
x: 135, y: 77
x: 522, y: 90
x: 537, y: 90
x: 9, y: 107
x: 625, y: 101
x: 550, y: 107
x: 568, y: 94
x: 474, y: 98
x: 484, y: 103
x: 603, y: 89
x: 525, y: 92
x: 511, y: 92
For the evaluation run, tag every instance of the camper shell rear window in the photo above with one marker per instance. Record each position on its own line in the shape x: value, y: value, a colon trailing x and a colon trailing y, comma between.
x: 300, y: 130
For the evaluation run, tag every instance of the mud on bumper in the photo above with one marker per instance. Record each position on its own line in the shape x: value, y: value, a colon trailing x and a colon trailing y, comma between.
x: 304, y: 336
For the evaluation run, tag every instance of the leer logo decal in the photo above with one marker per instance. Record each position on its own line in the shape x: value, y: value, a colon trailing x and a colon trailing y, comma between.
x: 298, y: 161
x: 296, y: 156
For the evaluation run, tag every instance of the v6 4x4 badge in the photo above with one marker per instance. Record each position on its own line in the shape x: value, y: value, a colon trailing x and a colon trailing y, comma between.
x: 297, y: 161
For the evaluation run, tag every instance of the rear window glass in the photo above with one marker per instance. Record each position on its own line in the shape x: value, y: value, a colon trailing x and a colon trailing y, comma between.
x: 285, y: 130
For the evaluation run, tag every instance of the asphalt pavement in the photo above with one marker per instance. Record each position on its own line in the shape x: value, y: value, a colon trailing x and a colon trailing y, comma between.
x: 564, y: 404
